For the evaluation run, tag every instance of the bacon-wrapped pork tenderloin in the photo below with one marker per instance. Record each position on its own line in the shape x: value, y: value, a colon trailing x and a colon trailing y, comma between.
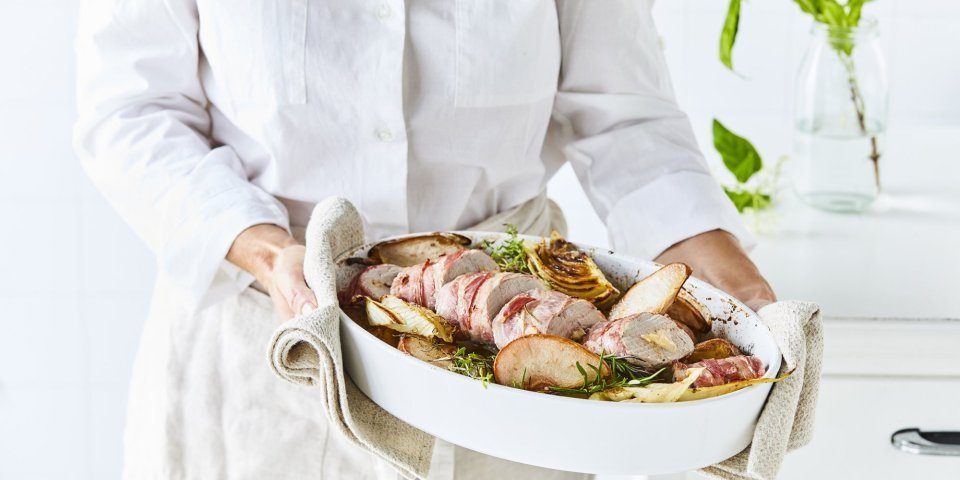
x: 373, y: 281
x: 471, y: 301
x: 645, y: 339
x: 420, y: 283
x: 544, y: 311
x: 722, y: 371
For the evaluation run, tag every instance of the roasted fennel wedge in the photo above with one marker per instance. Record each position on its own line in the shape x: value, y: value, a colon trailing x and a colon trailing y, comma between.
x: 393, y: 313
x: 678, y: 391
x: 652, y: 393
x: 568, y: 270
x: 710, y: 392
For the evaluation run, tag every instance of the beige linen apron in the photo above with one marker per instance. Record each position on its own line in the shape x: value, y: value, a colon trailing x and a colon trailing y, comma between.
x: 204, y: 403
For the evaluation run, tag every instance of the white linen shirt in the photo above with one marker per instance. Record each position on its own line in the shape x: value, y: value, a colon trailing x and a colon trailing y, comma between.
x: 200, y: 118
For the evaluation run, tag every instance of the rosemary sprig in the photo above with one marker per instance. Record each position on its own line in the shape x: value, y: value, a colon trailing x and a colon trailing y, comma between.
x: 523, y: 379
x: 472, y: 364
x: 622, y: 374
x: 510, y: 254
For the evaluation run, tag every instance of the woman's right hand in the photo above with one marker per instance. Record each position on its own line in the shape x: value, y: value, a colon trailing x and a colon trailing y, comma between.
x: 275, y: 258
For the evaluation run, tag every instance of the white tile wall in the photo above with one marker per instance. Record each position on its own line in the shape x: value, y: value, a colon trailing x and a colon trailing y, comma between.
x: 44, y: 432
x: 75, y: 281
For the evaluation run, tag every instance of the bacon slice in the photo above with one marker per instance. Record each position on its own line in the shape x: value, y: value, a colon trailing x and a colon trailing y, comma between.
x: 471, y: 301
x: 544, y: 311
x: 722, y: 371
x: 420, y: 283
x: 491, y: 296
x: 373, y: 281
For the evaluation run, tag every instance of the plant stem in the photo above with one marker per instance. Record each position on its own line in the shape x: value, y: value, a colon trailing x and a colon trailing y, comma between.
x: 858, y: 104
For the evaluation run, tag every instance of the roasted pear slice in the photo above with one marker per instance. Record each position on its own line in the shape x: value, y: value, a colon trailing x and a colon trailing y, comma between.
x: 715, y: 348
x: 406, y: 252
x: 536, y: 362
x: 429, y: 351
x: 687, y: 310
x: 653, y: 294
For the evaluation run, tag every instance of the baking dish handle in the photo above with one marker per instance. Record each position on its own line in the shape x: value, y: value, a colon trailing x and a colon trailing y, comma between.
x: 912, y: 440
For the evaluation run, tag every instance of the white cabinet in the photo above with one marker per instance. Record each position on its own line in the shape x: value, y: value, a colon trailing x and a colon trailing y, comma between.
x: 857, y: 415
x: 881, y: 376
x: 887, y: 281
x: 855, y: 419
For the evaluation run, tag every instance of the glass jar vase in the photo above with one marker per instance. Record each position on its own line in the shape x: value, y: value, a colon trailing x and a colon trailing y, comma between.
x: 840, y: 118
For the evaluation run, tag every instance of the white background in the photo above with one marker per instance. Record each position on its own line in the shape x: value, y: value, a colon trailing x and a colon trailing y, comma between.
x: 75, y: 281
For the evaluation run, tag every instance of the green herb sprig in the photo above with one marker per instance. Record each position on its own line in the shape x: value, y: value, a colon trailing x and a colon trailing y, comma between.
x: 510, y: 254
x: 743, y: 161
x: 472, y: 364
x: 841, y: 20
x: 622, y: 374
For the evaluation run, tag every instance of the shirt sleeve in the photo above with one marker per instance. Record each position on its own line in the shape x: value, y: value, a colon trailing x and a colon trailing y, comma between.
x: 616, y: 121
x: 142, y: 137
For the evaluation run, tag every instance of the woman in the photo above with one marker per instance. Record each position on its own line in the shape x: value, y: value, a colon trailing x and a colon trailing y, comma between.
x: 214, y: 126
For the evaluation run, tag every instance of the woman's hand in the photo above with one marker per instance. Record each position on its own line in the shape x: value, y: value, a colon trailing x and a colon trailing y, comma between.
x: 275, y: 258
x: 716, y: 257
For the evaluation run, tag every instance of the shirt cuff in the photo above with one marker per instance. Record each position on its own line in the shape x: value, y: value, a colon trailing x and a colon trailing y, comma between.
x: 672, y: 208
x: 203, y: 226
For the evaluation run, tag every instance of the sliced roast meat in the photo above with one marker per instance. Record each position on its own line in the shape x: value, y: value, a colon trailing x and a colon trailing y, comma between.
x: 465, y: 261
x: 544, y: 311
x: 408, y: 284
x: 373, y: 282
x: 471, y: 301
x: 511, y: 322
x: 492, y: 295
x: 429, y: 283
x: 451, y: 266
x: 453, y: 300
x: 722, y: 370
x: 420, y: 283
x: 645, y: 339
x: 465, y: 303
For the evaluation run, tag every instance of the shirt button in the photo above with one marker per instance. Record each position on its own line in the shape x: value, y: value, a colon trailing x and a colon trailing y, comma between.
x: 385, y: 135
x: 383, y: 11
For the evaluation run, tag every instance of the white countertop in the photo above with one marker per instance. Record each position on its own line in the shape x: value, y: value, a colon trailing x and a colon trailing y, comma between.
x: 900, y: 259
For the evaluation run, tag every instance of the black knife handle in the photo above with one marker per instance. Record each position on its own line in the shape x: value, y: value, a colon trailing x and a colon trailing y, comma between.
x: 912, y: 440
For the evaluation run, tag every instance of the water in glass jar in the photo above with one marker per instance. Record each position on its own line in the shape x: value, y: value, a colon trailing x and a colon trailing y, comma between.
x: 833, y: 168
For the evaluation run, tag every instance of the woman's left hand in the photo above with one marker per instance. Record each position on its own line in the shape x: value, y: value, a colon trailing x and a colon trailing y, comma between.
x: 275, y: 258
x: 717, y: 258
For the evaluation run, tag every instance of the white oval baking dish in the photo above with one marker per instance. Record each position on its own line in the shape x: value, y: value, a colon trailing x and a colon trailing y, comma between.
x: 568, y: 433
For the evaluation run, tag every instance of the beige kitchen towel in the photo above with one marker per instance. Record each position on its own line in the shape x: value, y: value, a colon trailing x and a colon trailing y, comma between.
x: 306, y: 349
x: 786, y: 422
x: 538, y: 216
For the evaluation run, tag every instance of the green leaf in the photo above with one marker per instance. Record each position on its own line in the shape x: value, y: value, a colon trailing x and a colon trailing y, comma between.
x: 832, y: 14
x: 809, y: 6
x: 744, y: 199
x: 729, y: 33
x: 737, y: 152
x: 854, y: 8
x: 739, y: 198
